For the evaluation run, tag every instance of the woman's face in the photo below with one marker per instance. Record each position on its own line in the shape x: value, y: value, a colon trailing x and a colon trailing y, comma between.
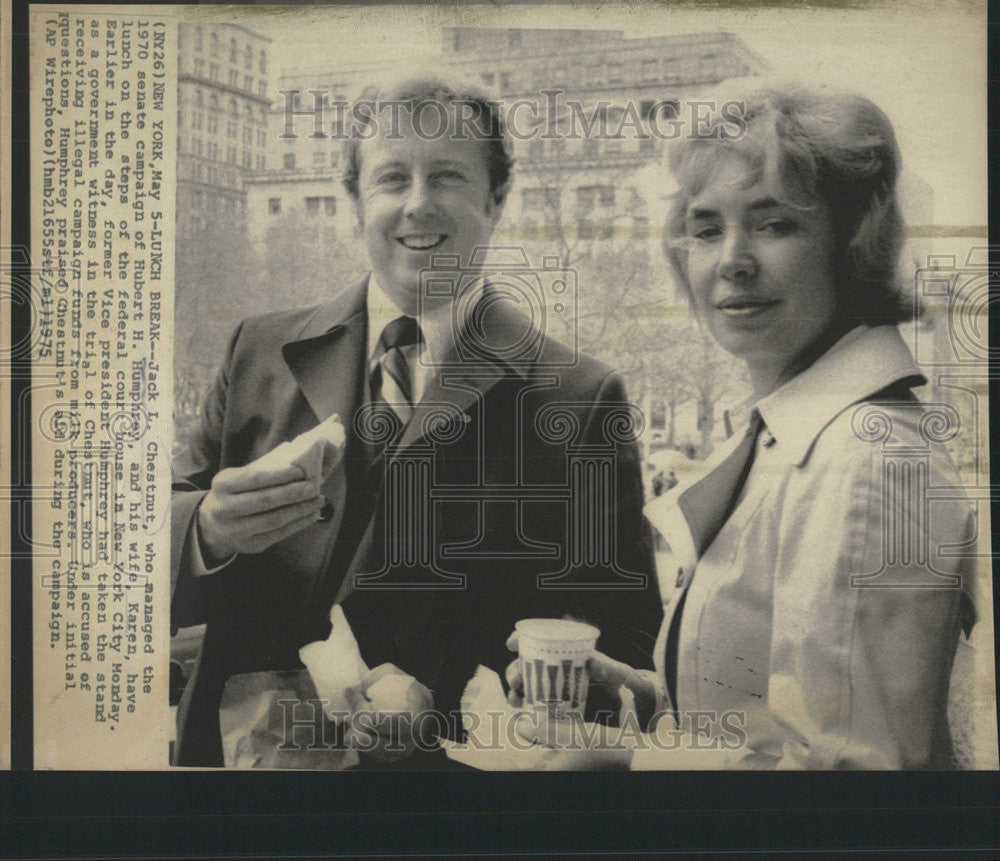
x: 760, y: 269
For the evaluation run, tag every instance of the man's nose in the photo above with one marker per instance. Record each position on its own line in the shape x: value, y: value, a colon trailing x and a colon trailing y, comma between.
x: 736, y: 260
x: 421, y: 198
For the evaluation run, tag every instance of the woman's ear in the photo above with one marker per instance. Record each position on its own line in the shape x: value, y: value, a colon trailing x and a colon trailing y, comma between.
x: 497, y: 200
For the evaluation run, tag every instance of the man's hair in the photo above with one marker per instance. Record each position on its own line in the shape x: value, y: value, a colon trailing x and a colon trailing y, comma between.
x: 481, y: 115
x: 839, y: 148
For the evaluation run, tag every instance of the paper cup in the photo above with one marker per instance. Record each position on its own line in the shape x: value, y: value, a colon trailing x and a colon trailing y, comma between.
x: 554, y: 655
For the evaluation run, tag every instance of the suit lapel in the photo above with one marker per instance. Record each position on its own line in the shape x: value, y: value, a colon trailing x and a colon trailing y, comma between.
x: 327, y: 357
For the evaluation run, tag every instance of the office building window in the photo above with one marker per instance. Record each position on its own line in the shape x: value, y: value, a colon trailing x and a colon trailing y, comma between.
x: 534, y: 199
x: 289, y: 161
x: 274, y: 206
x: 319, y: 159
x: 588, y: 196
x: 328, y: 205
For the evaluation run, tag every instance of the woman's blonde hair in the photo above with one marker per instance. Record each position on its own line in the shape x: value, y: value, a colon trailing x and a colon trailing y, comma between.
x: 837, y: 147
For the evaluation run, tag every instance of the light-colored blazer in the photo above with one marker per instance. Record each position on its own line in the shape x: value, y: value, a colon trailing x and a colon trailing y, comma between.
x: 820, y: 625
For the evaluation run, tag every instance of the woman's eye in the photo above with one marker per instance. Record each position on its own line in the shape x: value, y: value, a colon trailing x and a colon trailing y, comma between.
x: 451, y: 175
x: 776, y: 227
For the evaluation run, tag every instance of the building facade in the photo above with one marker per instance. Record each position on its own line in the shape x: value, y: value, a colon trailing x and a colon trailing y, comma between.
x: 590, y: 111
x: 222, y: 106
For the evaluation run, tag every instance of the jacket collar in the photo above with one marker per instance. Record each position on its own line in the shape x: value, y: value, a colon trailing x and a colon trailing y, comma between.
x: 864, y: 361
x: 333, y: 337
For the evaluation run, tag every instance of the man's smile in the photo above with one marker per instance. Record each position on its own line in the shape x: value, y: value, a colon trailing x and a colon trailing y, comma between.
x: 422, y: 241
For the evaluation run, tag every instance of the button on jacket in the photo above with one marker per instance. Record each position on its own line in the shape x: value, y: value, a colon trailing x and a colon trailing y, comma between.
x: 820, y: 625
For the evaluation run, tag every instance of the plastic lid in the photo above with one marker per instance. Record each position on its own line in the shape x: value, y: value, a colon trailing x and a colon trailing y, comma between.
x: 557, y: 629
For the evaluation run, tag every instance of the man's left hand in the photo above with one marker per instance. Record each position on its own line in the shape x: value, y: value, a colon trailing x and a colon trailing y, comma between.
x: 386, y: 714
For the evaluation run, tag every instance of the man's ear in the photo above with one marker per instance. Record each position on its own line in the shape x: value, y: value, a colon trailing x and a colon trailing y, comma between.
x: 359, y: 215
x: 497, y: 200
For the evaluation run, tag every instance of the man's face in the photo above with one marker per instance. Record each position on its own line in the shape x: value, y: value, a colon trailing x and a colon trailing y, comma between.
x: 423, y: 192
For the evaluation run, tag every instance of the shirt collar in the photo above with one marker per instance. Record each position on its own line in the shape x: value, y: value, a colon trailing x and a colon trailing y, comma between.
x: 861, y: 363
x: 437, y: 325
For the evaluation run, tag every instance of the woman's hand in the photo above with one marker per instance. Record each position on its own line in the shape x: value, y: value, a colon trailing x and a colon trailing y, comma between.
x: 605, y: 673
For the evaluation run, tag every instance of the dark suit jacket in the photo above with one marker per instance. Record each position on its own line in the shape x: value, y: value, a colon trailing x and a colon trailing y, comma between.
x: 519, y: 462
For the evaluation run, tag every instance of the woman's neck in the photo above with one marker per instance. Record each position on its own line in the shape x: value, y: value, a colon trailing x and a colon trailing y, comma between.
x: 766, y: 378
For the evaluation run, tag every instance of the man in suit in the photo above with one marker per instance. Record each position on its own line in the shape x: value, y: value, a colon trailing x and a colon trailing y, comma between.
x: 490, y: 473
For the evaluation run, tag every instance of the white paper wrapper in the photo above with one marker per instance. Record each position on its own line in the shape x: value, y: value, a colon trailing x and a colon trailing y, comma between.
x: 335, y: 664
x: 316, y: 452
x: 491, y: 726
x: 489, y: 721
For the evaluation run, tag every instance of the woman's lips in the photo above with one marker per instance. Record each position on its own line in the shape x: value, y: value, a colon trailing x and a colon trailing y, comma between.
x: 745, y: 307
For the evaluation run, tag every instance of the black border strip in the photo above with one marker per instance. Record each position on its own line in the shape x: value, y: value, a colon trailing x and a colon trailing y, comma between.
x: 22, y: 680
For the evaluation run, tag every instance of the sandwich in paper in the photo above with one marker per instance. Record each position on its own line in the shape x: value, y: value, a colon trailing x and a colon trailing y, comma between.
x: 316, y: 452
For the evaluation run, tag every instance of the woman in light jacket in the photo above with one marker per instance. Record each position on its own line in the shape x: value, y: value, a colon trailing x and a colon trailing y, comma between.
x: 817, y: 583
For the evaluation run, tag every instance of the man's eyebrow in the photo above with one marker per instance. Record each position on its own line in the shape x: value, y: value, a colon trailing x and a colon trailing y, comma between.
x: 386, y: 165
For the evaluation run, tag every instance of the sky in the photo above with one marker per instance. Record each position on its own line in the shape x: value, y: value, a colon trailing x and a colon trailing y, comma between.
x: 923, y: 62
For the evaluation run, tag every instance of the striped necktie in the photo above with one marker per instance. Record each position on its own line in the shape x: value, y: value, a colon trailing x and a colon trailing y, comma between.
x: 389, y: 370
